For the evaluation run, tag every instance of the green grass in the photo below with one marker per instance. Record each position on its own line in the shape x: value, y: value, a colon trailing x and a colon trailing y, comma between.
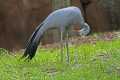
x: 100, y: 61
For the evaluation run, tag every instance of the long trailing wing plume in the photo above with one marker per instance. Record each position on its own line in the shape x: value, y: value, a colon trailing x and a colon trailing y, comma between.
x: 30, y: 46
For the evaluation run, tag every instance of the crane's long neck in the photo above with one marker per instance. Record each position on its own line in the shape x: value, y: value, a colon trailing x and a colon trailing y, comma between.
x: 85, y: 28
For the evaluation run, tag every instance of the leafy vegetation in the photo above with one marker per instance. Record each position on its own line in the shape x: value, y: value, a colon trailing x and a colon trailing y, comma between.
x: 99, y: 61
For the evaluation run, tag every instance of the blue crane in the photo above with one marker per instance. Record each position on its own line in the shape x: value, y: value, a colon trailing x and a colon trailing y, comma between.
x: 61, y: 19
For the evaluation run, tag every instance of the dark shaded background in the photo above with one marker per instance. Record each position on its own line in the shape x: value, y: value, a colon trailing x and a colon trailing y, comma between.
x: 18, y: 18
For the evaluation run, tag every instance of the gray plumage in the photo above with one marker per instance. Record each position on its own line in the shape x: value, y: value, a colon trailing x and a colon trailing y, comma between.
x: 62, y: 19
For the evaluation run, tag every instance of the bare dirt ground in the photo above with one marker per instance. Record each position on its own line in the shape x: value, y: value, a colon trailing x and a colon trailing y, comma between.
x: 92, y: 39
x: 78, y: 40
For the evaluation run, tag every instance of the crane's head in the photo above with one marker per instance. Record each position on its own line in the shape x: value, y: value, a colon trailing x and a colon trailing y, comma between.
x: 85, y: 30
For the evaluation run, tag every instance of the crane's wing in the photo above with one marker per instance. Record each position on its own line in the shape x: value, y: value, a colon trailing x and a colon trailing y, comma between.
x: 30, y: 46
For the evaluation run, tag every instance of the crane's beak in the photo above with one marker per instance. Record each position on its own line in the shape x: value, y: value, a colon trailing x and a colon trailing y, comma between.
x: 85, y: 30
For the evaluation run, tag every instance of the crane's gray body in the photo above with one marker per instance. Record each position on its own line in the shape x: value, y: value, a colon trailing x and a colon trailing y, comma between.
x: 61, y: 19
x: 64, y: 17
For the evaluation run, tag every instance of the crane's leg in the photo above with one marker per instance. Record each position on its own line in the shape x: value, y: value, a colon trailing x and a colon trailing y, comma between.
x: 67, y: 48
x: 62, y: 45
